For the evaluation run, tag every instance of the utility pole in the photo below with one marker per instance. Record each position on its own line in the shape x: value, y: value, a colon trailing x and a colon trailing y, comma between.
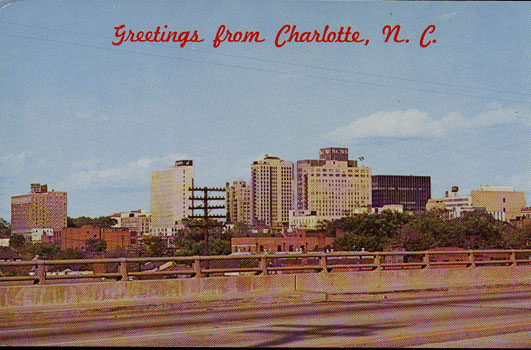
x: 205, y: 206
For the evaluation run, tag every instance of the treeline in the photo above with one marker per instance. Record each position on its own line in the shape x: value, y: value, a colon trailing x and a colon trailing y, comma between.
x: 370, y: 232
x: 102, y: 221
x: 422, y: 231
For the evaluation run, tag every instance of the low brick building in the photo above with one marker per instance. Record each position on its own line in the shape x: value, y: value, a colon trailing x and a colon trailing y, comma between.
x: 298, y: 243
x: 76, y: 237
x: 521, y: 222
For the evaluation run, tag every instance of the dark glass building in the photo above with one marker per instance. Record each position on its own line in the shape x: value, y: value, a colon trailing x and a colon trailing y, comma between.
x: 411, y: 191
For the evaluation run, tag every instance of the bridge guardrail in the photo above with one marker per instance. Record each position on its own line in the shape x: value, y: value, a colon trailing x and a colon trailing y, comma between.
x: 39, y: 271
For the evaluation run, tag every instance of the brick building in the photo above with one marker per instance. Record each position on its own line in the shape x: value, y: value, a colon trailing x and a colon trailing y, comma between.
x: 38, y: 209
x: 297, y: 243
x: 76, y: 237
x: 238, y: 202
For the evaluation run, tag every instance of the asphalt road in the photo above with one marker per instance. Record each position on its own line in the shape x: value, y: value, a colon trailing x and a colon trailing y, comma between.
x: 496, y: 320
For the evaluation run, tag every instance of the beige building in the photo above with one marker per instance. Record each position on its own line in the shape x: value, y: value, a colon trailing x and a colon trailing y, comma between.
x: 4, y: 242
x: 454, y: 203
x: 271, y: 191
x: 170, y: 195
x: 525, y: 213
x: 238, y: 202
x: 333, y: 185
x: 136, y: 221
x: 38, y: 209
x: 503, y: 202
x: 37, y: 233
x: 309, y: 220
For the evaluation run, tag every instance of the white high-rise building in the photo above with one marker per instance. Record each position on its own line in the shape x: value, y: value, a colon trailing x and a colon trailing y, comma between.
x: 271, y: 191
x: 170, y: 196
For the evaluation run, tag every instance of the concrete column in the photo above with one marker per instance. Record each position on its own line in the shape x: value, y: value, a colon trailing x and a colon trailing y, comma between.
x: 471, y: 259
x: 263, y: 265
x: 426, y: 260
x: 324, y: 263
x: 41, y: 271
x: 197, y: 268
x: 378, y: 261
x: 123, y: 269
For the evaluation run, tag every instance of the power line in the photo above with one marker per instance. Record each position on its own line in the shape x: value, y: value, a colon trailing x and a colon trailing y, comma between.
x: 272, y: 71
x: 287, y: 63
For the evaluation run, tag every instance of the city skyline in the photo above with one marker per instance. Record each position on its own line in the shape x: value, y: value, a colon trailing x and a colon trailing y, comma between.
x: 94, y: 119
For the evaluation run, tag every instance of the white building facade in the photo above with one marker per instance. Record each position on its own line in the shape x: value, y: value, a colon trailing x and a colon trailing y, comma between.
x: 170, y: 196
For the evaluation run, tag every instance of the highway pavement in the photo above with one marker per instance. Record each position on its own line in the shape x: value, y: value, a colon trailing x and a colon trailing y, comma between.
x: 498, y: 319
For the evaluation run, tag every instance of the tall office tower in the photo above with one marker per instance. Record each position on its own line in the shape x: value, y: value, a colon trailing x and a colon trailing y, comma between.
x: 271, y: 191
x: 170, y: 196
x: 333, y: 185
x: 38, y: 209
x: 412, y: 192
x: 238, y: 202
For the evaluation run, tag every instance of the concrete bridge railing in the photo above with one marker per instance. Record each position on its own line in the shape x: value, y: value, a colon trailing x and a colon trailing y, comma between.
x: 194, y: 277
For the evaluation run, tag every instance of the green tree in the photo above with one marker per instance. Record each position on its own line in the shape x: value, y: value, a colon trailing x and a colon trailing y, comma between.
x: 519, y: 238
x: 17, y: 241
x: 48, y: 251
x: 480, y: 230
x: 154, y: 246
x: 369, y: 231
x: 385, y: 224
x: 118, y: 252
x: 189, y: 240
x: 420, y: 232
x: 102, y: 221
x: 5, y: 229
x: 240, y: 229
x: 355, y: 242
x: 96, y: 245
x: 71, y: 254
x: 414, y: 238
x: 218, y: 246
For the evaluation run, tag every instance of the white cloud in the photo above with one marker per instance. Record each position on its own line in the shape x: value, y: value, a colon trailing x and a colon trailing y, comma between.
x: 135, y: 171
x: 413, y: 122
x: 14, y: 160
x: 496, y: 115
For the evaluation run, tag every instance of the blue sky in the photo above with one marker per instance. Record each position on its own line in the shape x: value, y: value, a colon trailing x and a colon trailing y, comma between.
x: 94, y: 119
